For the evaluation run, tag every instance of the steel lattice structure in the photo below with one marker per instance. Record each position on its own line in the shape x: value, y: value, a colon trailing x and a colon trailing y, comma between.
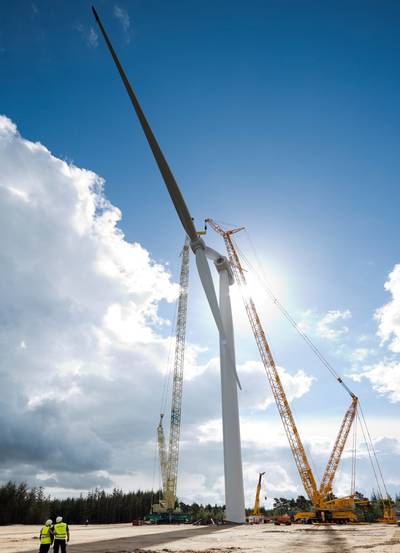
x: 329, y: 474
x: 169, y: 462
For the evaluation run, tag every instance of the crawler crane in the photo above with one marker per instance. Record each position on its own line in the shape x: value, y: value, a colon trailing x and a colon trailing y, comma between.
x: 255, y: 517
x: 165, y: 510
x: 324, y: 508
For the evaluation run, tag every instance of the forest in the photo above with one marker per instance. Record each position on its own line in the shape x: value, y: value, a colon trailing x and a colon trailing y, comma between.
x: 20, y: 504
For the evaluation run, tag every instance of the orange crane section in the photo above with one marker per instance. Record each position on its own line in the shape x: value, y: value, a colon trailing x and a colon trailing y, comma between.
x: 256, y: 508
x: 333, y: 462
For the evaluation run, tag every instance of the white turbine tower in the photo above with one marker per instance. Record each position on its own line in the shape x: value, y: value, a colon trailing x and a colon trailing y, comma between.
x: 234, y: 494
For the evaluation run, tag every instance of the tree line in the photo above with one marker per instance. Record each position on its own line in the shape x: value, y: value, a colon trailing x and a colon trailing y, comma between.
x: 20, y: 504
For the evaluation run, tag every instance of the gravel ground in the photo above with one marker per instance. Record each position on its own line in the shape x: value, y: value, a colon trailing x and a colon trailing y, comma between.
x: 123, y: 538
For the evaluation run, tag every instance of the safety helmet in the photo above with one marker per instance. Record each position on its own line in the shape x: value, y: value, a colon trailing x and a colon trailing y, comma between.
x: 49, y: 522
x: 58, y: 519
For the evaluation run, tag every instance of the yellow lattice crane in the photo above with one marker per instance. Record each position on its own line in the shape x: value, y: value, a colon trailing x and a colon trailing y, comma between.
x: 256, y: 508
x: 324, y: 507
x: 255, y: 517
x: 166, y: 510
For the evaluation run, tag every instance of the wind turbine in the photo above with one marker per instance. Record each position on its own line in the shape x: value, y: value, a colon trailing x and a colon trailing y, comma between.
x: 234, y: 493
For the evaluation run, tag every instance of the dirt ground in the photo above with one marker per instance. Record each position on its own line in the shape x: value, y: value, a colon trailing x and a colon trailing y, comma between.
x: 124, y: 538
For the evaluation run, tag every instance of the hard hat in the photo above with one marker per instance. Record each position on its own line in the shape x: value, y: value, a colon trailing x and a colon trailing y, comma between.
x: 49, y: 522
x: 58, y: 519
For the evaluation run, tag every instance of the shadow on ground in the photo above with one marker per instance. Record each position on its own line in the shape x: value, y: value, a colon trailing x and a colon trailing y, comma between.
x: 127, y: 545
x: 334, y: 541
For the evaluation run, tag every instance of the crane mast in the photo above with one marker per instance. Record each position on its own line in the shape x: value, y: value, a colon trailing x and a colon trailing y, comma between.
x: 169, y: 460
x: 163, y: 455
x: 256, y: 508
x: 334, y: 459
x: 317, y: 495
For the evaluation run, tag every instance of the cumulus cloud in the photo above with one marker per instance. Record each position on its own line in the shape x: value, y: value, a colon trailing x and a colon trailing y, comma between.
x: 384, y: 377
x: 92, y: 38
x: 259, y: 395
x: 79, y: 317
x: 122, y: 15
x: 89, y: 35
x: 385, y: 374
x: 360, y: 354
x: 327, y: 327
x: 388, y: 316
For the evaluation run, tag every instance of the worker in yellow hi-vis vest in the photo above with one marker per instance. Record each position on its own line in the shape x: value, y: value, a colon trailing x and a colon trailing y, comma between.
x: 46, y: 536
x: 61, y: 535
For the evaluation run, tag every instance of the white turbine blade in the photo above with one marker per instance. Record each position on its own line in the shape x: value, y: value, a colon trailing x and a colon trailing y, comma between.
x: 208, y: 285
x: 209, y: 289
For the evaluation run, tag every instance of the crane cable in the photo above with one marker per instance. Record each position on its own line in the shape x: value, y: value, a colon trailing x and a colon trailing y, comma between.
x: 291, y: 319
x: 168, y: 375
x: 154, y: 477
x: 370, y: 448
x: 353, y: 458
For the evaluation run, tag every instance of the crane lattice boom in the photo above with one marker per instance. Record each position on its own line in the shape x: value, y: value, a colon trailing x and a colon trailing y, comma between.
x: 333, y: 462
x: 163, y: 454
x: 169, y: 463
x: 256, y: 508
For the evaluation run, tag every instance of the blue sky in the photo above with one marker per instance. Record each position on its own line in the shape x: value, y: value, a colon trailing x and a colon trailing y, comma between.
x: 279, y: 116
x: 282, y: 115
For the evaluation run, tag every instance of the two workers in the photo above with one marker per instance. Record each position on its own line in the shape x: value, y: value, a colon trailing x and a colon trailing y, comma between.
x: 59, y: 534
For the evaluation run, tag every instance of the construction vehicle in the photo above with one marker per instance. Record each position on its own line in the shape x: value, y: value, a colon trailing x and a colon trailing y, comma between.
x: 282, y: 519
x: 256, y: 517
x: 165, y: 510
x: 325, y: 507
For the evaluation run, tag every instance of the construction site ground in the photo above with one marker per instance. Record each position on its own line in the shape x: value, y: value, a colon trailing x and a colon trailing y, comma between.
x: 125, y: 538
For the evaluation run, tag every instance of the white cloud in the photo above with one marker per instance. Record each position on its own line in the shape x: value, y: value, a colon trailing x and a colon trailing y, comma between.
x: 122, y: 15
x: 7, y: 128
x: 89, y: 35
x: 327, y: 327
x: 93, y: 39
x: 388, y: 316
x: 360, y: 354
x: 79, y: 326
x: 258, y: 391
x: 384, y: 377
x: 385, y: 374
